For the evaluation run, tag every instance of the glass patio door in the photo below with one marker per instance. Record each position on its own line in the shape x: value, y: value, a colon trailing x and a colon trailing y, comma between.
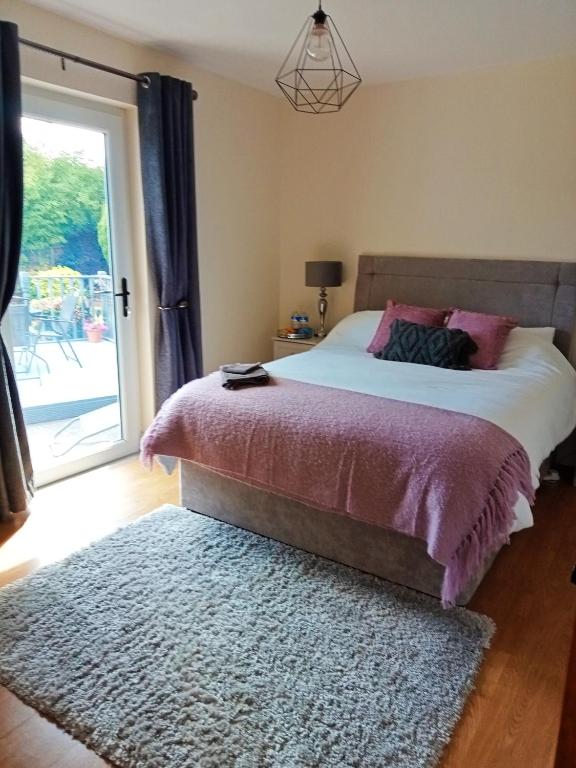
x: 68, y: 327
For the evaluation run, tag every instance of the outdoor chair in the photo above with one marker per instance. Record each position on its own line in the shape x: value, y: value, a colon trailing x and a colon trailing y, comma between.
x: 59, y: 329
x: 23, y: 339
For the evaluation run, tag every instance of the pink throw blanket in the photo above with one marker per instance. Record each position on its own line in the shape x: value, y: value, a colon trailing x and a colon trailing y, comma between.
x: 444, y: 477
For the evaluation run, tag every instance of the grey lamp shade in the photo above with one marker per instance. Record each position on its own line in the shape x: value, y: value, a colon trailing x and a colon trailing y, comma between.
x: 323, y: 274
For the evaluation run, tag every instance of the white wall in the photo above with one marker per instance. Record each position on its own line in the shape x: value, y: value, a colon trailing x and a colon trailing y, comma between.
x: 481, y: 164
x: 236, y: 133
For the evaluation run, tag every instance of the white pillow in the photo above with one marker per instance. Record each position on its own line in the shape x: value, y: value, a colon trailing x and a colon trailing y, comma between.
x: 547, y: 333
x: 358, y: 329
x: 526, y: 343
x: 355, y: 330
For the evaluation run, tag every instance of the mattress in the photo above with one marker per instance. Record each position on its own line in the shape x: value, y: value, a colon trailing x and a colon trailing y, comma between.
x: 532, y: 394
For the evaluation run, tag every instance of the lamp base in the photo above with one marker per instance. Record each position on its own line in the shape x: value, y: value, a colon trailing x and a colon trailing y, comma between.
x: 322, y: 309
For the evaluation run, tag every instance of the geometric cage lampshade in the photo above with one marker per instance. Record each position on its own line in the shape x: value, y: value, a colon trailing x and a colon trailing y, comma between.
x: 318, y: 75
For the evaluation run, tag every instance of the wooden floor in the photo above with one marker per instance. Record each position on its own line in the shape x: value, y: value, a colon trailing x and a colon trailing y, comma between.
x: 566, y: 750
x: 510, y: 721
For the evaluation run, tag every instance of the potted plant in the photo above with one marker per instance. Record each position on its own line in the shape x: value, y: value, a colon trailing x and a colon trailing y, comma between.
x: 94, y: 329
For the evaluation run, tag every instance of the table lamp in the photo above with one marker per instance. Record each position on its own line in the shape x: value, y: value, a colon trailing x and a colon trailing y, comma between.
x: 323, y: 274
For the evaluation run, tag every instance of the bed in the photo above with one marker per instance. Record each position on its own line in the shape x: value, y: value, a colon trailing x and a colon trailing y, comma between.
x: 534, y: 402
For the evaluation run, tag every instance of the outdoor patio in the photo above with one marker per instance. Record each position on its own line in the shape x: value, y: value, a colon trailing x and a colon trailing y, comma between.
x: 60, y: 326
x: 70, y: 410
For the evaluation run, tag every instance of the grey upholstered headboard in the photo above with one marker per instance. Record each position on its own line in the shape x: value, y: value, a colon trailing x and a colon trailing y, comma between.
x: 537, y: 293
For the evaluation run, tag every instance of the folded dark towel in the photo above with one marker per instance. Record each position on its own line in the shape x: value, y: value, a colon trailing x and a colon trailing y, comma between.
x: 241, y: 368
x: 239, y: 375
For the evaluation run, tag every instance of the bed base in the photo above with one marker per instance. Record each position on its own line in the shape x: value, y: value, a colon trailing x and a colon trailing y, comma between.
x: 537, y: 293
x: 387, y: 554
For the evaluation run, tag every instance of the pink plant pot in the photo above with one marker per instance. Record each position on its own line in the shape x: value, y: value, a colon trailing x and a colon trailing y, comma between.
x: 94, y: 335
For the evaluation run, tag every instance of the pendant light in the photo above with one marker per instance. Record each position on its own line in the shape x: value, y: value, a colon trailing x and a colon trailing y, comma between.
x: 318, y: 74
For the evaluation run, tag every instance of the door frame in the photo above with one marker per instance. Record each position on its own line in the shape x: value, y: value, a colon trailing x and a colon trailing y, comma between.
x: 47, y: 104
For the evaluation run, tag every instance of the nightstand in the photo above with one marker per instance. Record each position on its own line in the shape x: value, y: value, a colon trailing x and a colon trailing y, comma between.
x: 285, y: 347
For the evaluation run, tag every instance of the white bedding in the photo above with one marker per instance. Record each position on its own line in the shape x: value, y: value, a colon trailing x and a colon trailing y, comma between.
x: 532, y: 395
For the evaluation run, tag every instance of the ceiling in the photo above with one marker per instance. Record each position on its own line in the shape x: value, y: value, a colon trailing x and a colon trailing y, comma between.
x: 246, y: 40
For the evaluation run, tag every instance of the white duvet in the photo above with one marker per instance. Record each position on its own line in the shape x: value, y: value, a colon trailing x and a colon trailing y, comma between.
x: 532, y: 395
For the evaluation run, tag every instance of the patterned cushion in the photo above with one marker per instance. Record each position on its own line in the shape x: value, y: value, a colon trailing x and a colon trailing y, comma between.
x: 441, y: 347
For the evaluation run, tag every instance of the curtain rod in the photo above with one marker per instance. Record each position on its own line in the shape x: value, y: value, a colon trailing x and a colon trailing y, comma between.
x: 144, y: 79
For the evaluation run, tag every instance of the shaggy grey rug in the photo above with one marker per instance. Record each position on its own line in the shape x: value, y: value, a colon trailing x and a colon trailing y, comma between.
x: 182, y: 642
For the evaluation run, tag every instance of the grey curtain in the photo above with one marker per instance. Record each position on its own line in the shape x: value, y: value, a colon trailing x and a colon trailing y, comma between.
x: 167, y: 158
x: 15, y: 466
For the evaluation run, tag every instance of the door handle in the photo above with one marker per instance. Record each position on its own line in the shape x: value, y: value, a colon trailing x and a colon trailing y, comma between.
x: 124, y: 293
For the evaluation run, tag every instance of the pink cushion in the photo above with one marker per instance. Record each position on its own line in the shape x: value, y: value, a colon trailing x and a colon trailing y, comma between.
x: 488, y: 331
x: 420, y: 315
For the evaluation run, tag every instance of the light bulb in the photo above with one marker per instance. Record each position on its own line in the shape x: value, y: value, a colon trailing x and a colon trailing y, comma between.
x: 319, y: 43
